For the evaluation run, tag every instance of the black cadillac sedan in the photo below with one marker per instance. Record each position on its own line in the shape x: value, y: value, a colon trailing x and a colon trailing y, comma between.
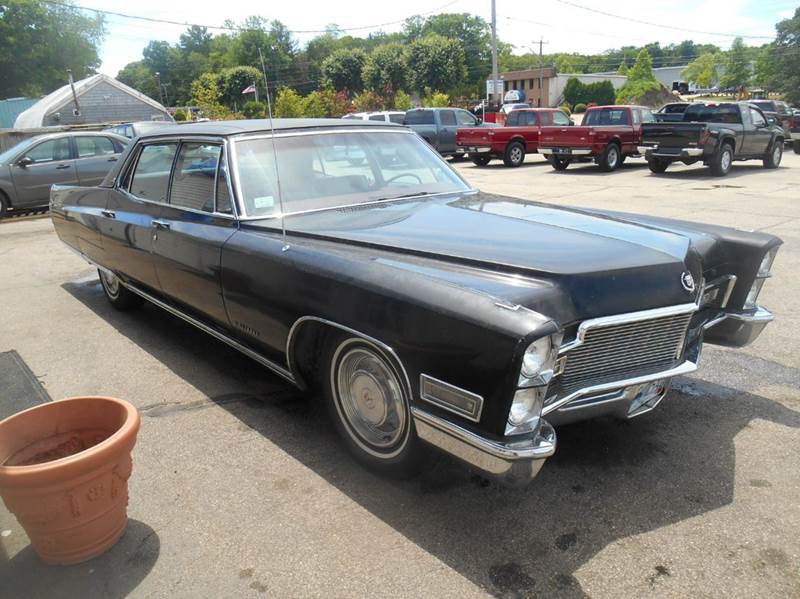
x: 348, y: 257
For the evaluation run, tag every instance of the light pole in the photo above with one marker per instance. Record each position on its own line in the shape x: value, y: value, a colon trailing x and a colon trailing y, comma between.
x: 495, y: 75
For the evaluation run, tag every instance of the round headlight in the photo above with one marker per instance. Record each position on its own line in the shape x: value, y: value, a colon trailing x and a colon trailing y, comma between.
x: 537, y: 354
x: 526, y: 407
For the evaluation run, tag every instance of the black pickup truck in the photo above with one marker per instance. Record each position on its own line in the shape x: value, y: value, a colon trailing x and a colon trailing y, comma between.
x: 716, y: 134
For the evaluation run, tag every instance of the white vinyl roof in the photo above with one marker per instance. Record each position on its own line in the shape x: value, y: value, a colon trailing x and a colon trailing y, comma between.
x: 34, y: 116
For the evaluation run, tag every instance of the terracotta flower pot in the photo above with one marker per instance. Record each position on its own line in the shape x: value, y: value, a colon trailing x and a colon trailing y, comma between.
x: 64, y: 469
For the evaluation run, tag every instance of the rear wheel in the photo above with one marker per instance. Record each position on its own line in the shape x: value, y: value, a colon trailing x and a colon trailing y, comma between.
x: 773, y: 157
x: 796, y: 145
x: 3, y: 204
x: 481, y: 159
x: 610, y: 159
x: 658, y: 165
x: 368, y: 403
x: 722, y: 161
x: 514, y: 155
x: 117, y: 294
x: 560, y: 164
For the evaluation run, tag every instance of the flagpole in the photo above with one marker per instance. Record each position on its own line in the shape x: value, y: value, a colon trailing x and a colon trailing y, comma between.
x: 255, y: 88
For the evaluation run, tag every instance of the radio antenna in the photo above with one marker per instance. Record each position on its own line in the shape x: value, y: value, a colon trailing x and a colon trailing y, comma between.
x: 286, y: 245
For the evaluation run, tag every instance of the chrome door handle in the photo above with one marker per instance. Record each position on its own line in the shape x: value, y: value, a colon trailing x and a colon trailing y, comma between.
x: 62, y: 166
x: 161, y: 224
x: 108, y: 213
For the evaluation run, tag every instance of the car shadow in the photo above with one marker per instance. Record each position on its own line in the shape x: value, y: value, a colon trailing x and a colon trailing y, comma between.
x: 698, y: 171
x: 608, y: 480
x: 497, y: 163
x: 114, y: 574
x: 591, y: 169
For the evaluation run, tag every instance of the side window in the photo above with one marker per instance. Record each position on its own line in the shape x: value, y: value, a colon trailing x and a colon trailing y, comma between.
x: 377, y: 117
x: 49, y: 151
x: 448, y: 118
x: 758, y: 118
x: 465, y: 119
x: 529, y: 119
x: 637, y: 116
x: 194, y: 181
x: 150, y: 179
x: 93, y: 146
x: 397, y: 118
x: 513, y: 119
x: 223, y: 193
x: 560, y: 119
x: 128, y: 132
x: 647, y: 116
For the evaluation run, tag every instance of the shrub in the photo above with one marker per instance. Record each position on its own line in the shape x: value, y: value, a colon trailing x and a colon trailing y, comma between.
x: 179, y: 115
x: 402, y: 101
x: 580, y: 107
x: 434, y: 99
x: 254, y: 110
x: 565, y: 109
x: 288, y: 103
x: 368, y: 101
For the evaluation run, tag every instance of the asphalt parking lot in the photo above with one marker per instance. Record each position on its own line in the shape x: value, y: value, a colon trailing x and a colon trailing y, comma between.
x: 240, y: 487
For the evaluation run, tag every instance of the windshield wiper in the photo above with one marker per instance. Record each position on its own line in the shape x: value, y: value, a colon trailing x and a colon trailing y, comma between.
x: 405, y: 195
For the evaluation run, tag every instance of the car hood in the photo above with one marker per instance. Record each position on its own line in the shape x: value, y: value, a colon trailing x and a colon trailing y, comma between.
x: 588, y: 264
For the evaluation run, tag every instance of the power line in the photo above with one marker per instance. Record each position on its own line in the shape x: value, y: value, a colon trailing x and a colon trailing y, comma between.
x: 650, y: 23
x: 237, y: 29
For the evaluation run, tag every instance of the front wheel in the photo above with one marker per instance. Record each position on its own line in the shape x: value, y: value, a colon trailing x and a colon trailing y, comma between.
x: 116, y: 293
x: 773, y: 157
x: 515, y: 154
x: 3, y: 204
x: 658, y: 165
x: 369, y: 405
x: 610, y: 159
x: 722, y: 161
x: 560, y: 164
x: 480, y: 159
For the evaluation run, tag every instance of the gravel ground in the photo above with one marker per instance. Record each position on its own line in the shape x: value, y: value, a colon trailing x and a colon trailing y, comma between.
x: 240, y: 487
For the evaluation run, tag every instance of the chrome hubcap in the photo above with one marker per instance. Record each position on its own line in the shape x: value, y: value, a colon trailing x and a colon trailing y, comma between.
x: 370, y: 398
x: 725, y: 163
x: 111, y: 283
x: 777, y: 153
x: 516, y: 155
x: 613, y: 157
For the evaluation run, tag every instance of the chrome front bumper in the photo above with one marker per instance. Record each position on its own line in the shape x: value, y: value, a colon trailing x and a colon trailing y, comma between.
x: 514, y: 461
x: 738, y: 329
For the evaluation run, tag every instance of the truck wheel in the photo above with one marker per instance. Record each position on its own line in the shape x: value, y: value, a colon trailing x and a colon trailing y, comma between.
x: 456, y: 157
x: 721, y: 161
x: 480, y: 159
x: 610, y: 158
x: 3, y: 204
x: 515, y: 154
x: 796, y: 145
x: 772, y: 159
x: 560, y: 164
x: 117, y: 294
x: 368, y: 403
x: 658, y: 165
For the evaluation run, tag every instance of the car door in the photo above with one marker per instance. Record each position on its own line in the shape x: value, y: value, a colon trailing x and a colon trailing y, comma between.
x: 447, y: 131
x: 136, y: 201
x: 94, y: 157
x: 192, y: 228
x: 41, y: 166
x: 757, y: 140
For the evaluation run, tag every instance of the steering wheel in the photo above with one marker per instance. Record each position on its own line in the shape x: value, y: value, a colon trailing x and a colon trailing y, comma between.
x: 401, y: 175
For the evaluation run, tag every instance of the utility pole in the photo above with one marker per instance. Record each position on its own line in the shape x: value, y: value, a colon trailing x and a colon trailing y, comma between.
x: 541, y: 66
x: 495, y: 75
x: 160, y: 89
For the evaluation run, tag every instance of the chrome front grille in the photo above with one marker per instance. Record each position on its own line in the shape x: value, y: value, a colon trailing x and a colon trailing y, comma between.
x: 621, y: 347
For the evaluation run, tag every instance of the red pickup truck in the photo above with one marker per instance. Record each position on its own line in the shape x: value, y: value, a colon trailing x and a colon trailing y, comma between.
x: 607, y: 135
x: 519, y: 136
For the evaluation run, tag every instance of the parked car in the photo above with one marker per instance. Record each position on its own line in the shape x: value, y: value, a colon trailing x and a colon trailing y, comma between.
x: 137, y: 128
x: 607, y: 136
x: 385, y: 116
x: 716, y: 134
x: 28, y: 169
x: 438, y: 127
x: 421, y: 309
x: 786, y: 117
x: 670, y: 113
x: 510, y: 143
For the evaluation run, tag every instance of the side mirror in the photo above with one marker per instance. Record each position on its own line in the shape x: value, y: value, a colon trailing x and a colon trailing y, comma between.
x: 771, y: 120
x: 24, y: 162
x: 478, y: 120
x: 571, y: 123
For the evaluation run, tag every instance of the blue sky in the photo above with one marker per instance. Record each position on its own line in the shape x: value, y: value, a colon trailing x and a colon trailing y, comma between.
x: 565, y: 28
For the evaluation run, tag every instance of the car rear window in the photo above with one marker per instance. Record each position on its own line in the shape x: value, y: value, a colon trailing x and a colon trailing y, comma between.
x: 419, y: 117
x: 712, y: 113
x: 607, y: 116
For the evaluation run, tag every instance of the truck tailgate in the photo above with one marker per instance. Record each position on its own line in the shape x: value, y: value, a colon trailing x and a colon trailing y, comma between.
x: 672, y: 135
x: 473, y: 136
x: 552, y: 137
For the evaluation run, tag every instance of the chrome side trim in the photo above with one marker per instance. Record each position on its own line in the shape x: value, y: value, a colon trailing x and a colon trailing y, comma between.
x: 276, y: 368
x: 684, y: 368
x: 515, y: 461
x: 605, y: 321
x: 475, y: 415
x: 297, y: 379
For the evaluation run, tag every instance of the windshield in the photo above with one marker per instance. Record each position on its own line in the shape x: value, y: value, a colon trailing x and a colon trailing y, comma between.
x: 9, y: 154
x: 328, y: 170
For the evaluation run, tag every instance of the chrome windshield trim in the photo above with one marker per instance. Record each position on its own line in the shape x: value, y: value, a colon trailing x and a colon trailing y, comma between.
x: 478, y: 399
x: 684, y: 368
x: 234, y: 160
x: 606, y: 321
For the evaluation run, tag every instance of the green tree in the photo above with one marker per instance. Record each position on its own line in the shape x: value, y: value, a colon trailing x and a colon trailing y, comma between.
x: 288, y: 103
x: 736, y: 65
x: 368, y: 101
x: 623, y: 68
x: 702, y: 70
x: 786, y: 58
x: 570, y: 63
x: 233, y: 80
x: 141, y: 78
x: 39, y: 42
x: 402, y: 101
x: 342, y: 70
x: 206, y: 95
x: 434, y: 99
x: 254, y: 110
x: 179, y: 115
x: 385, y: 70
x: 436, y: 62
x: 641, y: 81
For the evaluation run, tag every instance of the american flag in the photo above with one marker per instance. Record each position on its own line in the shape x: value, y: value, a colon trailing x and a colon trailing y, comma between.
x: 251, y: 89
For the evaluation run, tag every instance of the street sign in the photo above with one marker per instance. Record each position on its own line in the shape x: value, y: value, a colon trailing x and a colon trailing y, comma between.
x: 496, y: 89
